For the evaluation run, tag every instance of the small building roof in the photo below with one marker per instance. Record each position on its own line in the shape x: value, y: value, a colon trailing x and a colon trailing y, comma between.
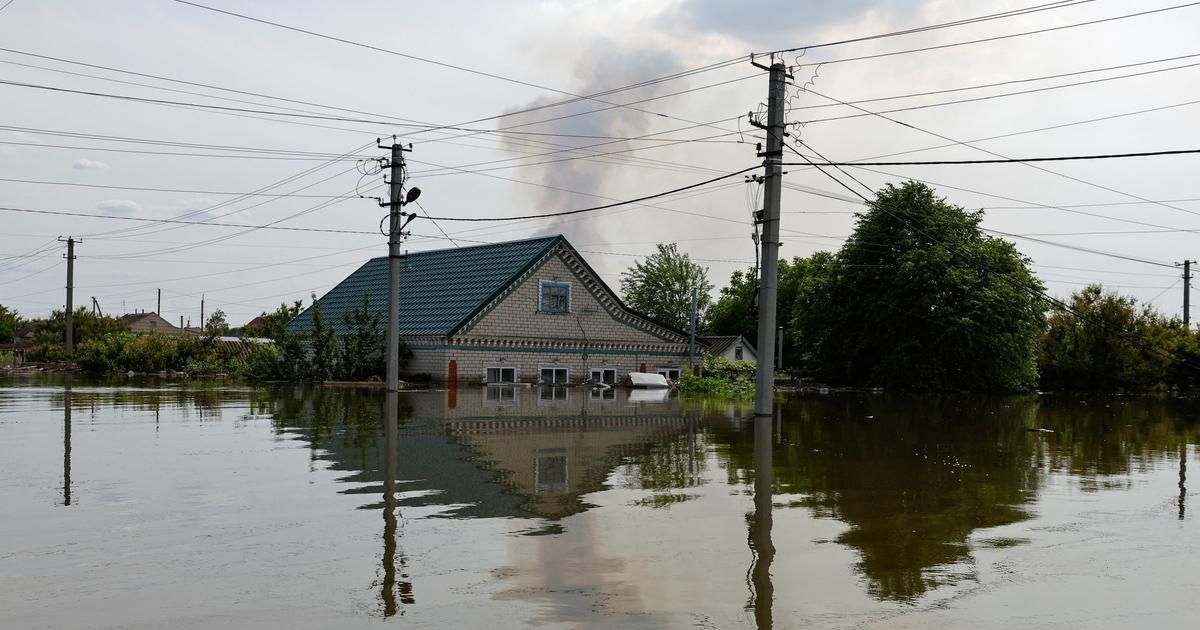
x: 720, y: 344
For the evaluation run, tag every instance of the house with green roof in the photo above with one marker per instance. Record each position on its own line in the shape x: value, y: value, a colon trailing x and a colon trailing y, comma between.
x: 531, y: 310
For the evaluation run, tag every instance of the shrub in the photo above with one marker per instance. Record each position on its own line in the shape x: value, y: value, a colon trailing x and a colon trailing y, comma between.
x: 46, y: 353
x: 6, y: 358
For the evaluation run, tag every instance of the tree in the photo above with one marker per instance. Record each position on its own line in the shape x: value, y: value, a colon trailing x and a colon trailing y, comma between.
x: 323, y: 342
x: 10, y: 321
x: 661, y: 287
x: 272, y: 325
x: 1112, y: 342
x: 919, y: 298
x: 217, y: 324
x: 362, y: 345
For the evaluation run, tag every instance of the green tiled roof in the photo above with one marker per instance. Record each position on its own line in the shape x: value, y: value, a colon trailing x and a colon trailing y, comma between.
x: 438, y: 288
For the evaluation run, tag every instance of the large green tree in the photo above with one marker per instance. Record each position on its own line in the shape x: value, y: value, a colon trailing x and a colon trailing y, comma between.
x: 661, y: 286
x: 920, y: 298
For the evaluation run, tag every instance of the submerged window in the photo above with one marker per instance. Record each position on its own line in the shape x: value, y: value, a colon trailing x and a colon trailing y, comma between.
x: 608, y: 376
x: 672, y: 374
x: 501, y: 375
x: 554, y: 376
x: 556, y: 297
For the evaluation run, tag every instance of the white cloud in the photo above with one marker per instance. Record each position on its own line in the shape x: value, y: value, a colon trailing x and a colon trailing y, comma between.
x: 119, y: 206
x: 84, y: 164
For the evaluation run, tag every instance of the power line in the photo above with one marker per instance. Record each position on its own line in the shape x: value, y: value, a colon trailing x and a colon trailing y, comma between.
x: 985, y: 39
x: 933, y: 27
x: 166, y: 190
x: 1061, y: 158
x: 989, y: 97
x: 179, y: 221
x: 603, y: 207
x: 998, y: 155
x: 1002, y: 83
x: 575, y: 97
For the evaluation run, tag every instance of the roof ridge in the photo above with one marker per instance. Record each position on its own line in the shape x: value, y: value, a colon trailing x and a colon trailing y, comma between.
x: 478, y: 245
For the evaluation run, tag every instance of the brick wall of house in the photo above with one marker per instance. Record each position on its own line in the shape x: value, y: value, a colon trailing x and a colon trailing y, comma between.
x: 472, y: 364
x: 517, y: 315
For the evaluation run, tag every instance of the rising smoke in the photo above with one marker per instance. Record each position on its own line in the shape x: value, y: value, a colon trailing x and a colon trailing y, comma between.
x: 597, y: 176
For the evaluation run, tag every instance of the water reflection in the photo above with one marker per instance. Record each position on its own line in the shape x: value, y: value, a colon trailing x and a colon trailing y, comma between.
x: 762, y: 590
x: 393, y: 561
x: 67, y: 402
x: 903, y: 489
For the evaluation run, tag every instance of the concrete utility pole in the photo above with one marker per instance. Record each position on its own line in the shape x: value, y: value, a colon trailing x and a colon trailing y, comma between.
x: 1187, y: 292
x: 69, y: 316
x: 396, y: 201
x: 692, y: 336
x: 769, y: 280
x: 158, y: 305
x: 202, y: 314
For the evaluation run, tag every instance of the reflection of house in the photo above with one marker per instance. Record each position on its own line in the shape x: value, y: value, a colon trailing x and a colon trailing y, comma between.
x: 521, y: 311
x: 141, y: 323
x: 735, y: 348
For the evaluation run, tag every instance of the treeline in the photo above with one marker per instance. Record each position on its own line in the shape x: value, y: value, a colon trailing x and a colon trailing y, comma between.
x: 919, y: 298
x: 351, y: 351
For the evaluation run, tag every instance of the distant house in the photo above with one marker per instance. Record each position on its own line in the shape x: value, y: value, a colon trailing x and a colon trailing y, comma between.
x: 735, y: 348
x: 522, y: 311
x: 143, y: 323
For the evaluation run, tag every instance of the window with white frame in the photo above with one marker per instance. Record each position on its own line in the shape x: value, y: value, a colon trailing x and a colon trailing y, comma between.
x: 555, y: 297
x: 608, y: 376
x: 554, y: 376
x: 672, y: 374
x: 737, y: 353
x: 501, y: 375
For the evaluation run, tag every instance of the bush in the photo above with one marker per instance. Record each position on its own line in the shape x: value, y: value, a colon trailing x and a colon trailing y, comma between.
x: 46, y: 353
x: 721, y: 378
x: 6, y: 358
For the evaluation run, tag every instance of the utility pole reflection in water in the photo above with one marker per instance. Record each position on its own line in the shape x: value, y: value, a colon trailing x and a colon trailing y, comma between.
x: 1183, y: 451
x: 761, y: 548
x: 67, y: 440
x: 389, y: 590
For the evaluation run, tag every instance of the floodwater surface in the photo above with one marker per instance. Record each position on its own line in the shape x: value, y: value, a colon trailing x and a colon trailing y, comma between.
x: 152, y: 505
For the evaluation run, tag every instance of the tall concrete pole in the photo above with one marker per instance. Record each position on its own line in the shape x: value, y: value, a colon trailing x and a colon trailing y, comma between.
x: 395, y: 224
x: 1187, y: 293
x: 158, y: 305
x: 69, y: 316
x: 201, y: 314
x: 768, y: 283
x: 692, y: 336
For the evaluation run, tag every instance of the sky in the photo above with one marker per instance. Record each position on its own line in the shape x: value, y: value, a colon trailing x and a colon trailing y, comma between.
x: 506, y: 77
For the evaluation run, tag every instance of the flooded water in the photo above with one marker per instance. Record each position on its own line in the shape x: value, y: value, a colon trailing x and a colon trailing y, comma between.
x: 144, y: 505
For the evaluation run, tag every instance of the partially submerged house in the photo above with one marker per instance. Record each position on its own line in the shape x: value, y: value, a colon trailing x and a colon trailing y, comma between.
x: 142, y: 323
x: 522, y: 311
x: 734, y: 348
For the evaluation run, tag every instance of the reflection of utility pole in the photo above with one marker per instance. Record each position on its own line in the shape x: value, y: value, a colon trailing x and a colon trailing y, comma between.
x: 760, y: 521
x: 1183, y: 450
x: 67, y: 440
x: 388, y: 591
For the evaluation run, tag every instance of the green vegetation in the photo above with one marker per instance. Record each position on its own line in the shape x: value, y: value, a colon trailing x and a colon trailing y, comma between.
x: 661, y: 287
x: 721, y: 378
x: 920, y: 299
x: 10, y: 321
x: 319, y: 356
x: 6, y: 358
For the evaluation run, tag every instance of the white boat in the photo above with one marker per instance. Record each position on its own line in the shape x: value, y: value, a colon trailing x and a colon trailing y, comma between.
x: 648, y: 380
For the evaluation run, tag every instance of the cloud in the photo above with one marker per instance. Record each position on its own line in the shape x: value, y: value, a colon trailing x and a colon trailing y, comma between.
x: 122, y: 207
x: 84, y: 164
